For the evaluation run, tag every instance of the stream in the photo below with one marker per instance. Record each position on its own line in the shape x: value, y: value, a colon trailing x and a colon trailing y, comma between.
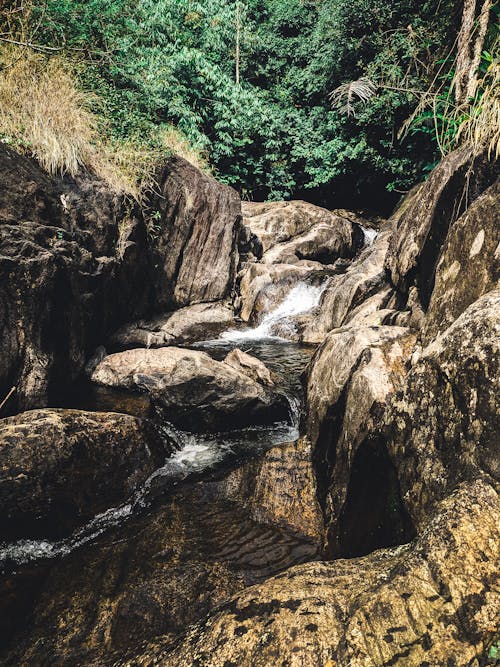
x: 201, y: 459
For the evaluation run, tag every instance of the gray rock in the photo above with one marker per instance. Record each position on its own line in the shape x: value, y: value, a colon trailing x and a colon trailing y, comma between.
x: 444, y: 425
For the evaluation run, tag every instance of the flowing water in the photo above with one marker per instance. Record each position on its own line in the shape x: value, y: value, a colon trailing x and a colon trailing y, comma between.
x: 181, y: 534
x: 199, y: 455
x: 301, y: 299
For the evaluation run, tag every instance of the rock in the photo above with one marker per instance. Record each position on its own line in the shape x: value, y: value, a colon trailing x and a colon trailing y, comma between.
x: 249, y: 366
x: 76, y: 263
x: 195, y: 252
x: 423, y: 222
x: 349, y: 381
x: 408, y: 606
x: 443, y: 427
x: 61, y: 467
x: 374, y: 310
x: 279, y: 489
x: 192, y: 390
x: 186, y: 325
x: 57, y: 302
x: 469, y: 263
x: 249, y: 245
x: 277, y: 222
x: 363, y: 278
x: 325, y: 242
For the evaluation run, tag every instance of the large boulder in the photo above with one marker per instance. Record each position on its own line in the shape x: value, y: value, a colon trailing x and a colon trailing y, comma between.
x: 58, y: 468
x: 432, y: 602
x: 357, y: 282
x: 443, y: 427
x: 192, y: 390
x: 320, y: 234
x: 324, y: 242
x: 195, y: 250
x: 72, y: 268
x: 469, y: 262
x: 423, y: 221
x: 349, y: 382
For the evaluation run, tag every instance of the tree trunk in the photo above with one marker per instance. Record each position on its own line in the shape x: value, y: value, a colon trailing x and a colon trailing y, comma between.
x: 469, y: 48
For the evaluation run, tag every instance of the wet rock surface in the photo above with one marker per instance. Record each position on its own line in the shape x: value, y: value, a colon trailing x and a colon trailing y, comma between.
x: 279, y: 489
x: 152, y: 578
x: 192, y: 390
x: 58, y: 468
x: 263, y: 287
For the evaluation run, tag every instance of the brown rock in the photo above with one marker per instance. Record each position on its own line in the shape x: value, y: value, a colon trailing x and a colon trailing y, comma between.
x: 61, y: 467
x: 407, y: 606
x: 196, y: 247
x: 72, y: 268
x: 278, y: 222
x: 150, y: 577
x: 324, y: 242
x: 191, y: 389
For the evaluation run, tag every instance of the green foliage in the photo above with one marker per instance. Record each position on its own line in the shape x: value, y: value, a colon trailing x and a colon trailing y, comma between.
x: 171, y: 62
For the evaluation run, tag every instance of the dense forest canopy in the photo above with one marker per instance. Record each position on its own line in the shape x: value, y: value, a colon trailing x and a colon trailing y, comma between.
x: 161, y: 64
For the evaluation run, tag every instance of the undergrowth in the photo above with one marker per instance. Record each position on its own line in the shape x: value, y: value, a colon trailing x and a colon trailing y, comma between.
x: 44, y: 112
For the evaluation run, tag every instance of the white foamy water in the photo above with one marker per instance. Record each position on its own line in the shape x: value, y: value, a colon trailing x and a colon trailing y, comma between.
x: 370, y: 234
x: 301, y: 299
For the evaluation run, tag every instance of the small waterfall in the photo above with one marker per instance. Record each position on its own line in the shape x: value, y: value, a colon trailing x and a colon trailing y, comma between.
x: 370, y: 235
x: 301, y: 299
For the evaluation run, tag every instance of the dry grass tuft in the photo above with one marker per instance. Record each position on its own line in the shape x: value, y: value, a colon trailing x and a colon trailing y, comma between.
x: 43, y: 112
x: 177, y: 144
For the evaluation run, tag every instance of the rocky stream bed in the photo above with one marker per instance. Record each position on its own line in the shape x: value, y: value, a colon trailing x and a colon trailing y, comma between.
x: 248, y: 434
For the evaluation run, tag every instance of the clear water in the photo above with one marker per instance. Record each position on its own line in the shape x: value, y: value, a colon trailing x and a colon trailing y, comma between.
x: 199, y: 455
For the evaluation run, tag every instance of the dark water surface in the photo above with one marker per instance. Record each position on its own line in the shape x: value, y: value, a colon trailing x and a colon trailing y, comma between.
x: 199, y: 457
x: 178, y: 524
